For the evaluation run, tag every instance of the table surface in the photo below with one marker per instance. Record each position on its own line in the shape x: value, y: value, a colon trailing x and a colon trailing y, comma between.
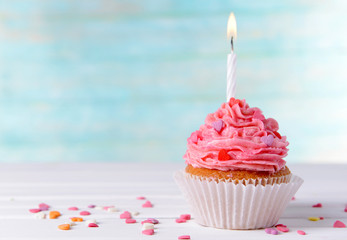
x: 61, y: 185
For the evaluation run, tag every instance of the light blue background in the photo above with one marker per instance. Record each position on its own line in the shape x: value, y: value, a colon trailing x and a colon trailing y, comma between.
x: 130, y: 80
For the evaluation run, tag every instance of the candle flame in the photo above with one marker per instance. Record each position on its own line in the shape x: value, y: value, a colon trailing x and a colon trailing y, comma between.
x: 232, y: 29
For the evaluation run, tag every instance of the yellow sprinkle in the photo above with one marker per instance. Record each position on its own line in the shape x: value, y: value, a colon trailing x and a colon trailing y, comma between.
x: 314, y: 218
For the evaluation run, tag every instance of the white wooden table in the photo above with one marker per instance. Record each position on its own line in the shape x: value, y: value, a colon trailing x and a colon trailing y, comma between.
x: 61, y: 185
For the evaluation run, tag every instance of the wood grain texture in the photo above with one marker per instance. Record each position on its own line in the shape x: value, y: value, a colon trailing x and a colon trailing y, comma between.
x: 24, y: 186
x: 129, y: 80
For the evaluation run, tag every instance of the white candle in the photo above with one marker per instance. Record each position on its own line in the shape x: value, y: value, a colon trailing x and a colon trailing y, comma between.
x: 231, y: 65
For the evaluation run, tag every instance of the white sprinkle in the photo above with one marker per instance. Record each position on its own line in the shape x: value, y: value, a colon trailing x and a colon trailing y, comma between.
x: 90, y: 221
x: 135, y: 213
x: 112, y: 209
x: 71, y: 223
x: 147, y: 226
x: 40, y: 215
x: 99, y: 208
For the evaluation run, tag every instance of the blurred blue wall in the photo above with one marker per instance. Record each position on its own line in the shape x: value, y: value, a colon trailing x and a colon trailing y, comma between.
x: 130, y: 80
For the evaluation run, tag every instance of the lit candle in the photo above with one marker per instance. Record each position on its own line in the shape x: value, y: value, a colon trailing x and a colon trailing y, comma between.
x: 231, y: 66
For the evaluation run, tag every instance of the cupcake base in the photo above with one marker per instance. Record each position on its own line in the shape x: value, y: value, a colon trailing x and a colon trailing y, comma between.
x: 229, y: 205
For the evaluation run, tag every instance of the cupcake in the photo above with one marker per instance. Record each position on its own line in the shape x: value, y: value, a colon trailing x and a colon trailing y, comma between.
x: 236, y: 177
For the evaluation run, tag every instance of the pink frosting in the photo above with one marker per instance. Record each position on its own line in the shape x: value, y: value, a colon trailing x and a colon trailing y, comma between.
x: 251, y: 140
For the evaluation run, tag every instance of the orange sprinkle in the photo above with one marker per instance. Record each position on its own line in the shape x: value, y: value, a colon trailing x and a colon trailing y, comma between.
x: 64, y: 227
x: 54, y: 214
x: 76, y: 219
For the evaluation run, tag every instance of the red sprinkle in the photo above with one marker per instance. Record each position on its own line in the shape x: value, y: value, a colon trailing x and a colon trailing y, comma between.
x: 318, y: 205
x: 125, y: 215
x: 147, y: 204
x: 321, y: 218
x: 339, y: 224
x: 184, y: 237
x: 282, y: 229
x: 93, y: 225
x: 35, y: 210
x: 223, y: 155
x: 148, y: 232
x: 301, y: 232
x: 84, y: 213
x: 129, y: 220
x: 140, y: 198
x: 185, y: 216
x: 346, y: 209
x: 293, y: 198
x: 181, y: 220
x: 280, y: 225
x: 73, y: 209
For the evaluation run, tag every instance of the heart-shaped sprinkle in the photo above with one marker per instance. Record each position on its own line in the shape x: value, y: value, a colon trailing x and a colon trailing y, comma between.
x: 345, y: 209
x: 76, y: 219
x: 223, y: 155
x: 268, y: 230
x: 274, y: 231
x: 282, y: 229
x: 180, y: 220
x: 318, y: 205
x: 125, y: 215
x: 153, y: 220
x: 93, y: 225
x: 147, y: 204
x: 194, y: 137
x: 148, y: 232
x: 218, y: 125
x: 91, y: 206
x: 268, y: 140
x: 44, y: 207
x: 184, y: 237
x: 146, y: 226
x: 140, y: 198
x: 339, y: 224
x: 73, y: 209
x: 129, y: 220
x: 185, y: 216
x: 301, y: 232
x: 35, y: 210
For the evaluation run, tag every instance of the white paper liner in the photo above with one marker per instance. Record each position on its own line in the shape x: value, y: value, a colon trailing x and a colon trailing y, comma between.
x: 228, y: 205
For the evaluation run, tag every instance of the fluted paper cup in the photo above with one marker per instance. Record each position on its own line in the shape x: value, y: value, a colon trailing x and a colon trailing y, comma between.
x: 231, y: 205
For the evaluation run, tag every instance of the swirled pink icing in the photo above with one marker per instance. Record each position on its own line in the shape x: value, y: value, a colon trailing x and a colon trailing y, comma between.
x: 250, y: 140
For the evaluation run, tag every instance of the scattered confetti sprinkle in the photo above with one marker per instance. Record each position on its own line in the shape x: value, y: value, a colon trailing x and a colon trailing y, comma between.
x: 40, y: 215
x: 76, y: 219
x: 44, y: 206
x: 274, y: 231
x: 71, y: 223
x: 125, y: 215
x: 293, y: 198
x: 129, y: 220
x: 345, y: 209
x: 54, y: 214
x: 154, y: 221
x: 90, y: 221
x: 91, y: 206
x: 339, y: 224
x: 112, y: 209
x: 93, y: 225
x: 147, y: 226
x: 84, y: 213
x: 318, y: 205
x: 282, y: 229
x: 185, y: 216
x: 223, y: 155
x: 180, y: 220
x: 268, y: 230
x: 301, y: 232
x: 99, y: 207
x: 218, y: 125
x: 147, y: 204
x: 184, y: 237
x: 280, y: 225
x: 313, y: 219
x: 64, y: 226
x: 321, y: 218
x: 140, y: 198
x: 268, y: 140
x: 135, y: 213
x: 34, y: 210
x: 148, y: 232
x: 73, y: 209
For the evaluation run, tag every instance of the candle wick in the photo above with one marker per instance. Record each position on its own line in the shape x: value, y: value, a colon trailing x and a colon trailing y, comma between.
x: 232, y: 43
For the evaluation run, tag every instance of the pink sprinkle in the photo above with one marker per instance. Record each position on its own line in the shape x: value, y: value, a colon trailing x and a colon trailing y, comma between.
x: 129, y: 220
x: 185, y: 216
x: 73, y: 209
x: 184, y: 237
x: 339, y: 224
x: 274, y: 231
x: 318, y: 205
x: 140, y: 198
x: 93, y: 225
x: 346, y: 209
x: 268, y: 230
x: 154, y: 221
x: 321, y: 218
x: 301, y: 232
x: 147, y: 204
x: 293, y: 198
x: 280, y: 225
x: 84, y: 213
x: 125, y: 215
x: 44, y: 207
x: 91, y: 206
x: 282, y: 229
x: 180, y: 220
x: 107, y: 207
x: 148, y: 232
x: 35, y: 210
